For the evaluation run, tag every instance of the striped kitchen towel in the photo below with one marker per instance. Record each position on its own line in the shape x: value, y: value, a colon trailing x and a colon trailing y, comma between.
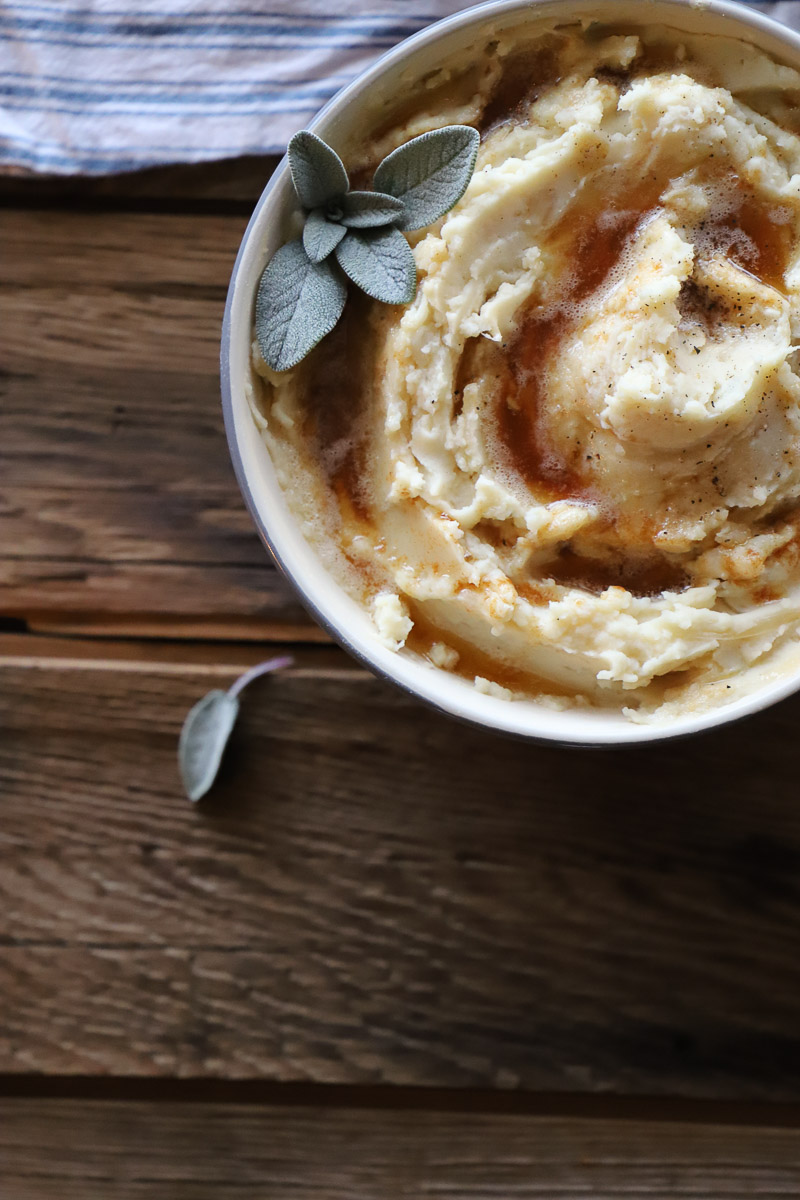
x: 100, y: 85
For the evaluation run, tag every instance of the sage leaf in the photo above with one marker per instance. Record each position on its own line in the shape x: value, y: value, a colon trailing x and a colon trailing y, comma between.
x: 430, y: 173
x: 363, y: 210
x: 321, y: 236
x: 318, y: 173
x: 203, y: 740
x: 208, y: 726
x: 298, y: 302
x: 381, y: 263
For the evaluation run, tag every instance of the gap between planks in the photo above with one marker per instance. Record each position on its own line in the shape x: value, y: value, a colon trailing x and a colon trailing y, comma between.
x: 172, y: 626
x: 472, y: 1101
x: 203, y: 658
x: 230, y: 185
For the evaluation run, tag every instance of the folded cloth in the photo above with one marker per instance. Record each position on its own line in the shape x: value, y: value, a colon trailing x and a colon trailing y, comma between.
x: 100, y: 86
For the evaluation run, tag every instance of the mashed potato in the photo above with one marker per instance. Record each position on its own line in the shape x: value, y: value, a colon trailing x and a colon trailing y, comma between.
x: 570, y: 468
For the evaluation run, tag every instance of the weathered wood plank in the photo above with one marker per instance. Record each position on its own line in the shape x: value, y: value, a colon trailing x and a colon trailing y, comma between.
x: 132, y: 1151
x: 217, y: 659
x: 153, y: 600
x: 126, y: 252
x: 375, y: 893
x: 209, y: 187
x: 116, y: 491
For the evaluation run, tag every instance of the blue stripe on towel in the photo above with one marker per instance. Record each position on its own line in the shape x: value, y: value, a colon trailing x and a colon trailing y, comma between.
x: 222, y: 16
x: 40, y: 92
x: 226, y: 30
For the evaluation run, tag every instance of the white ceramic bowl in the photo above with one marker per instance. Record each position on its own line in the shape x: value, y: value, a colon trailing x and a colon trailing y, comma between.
x: 339, y: 121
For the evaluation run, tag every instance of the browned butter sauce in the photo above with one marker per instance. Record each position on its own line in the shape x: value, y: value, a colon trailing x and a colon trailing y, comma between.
x: 767, y: 242
x: 648, y: 576
x: 336, y: 397
x: 759, y: 240
x: 473, y: 662
x: 593, y: 240
x: 527, y: 74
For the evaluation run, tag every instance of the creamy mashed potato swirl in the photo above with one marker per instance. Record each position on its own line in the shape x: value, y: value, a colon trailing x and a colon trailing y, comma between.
x: 570, y: 468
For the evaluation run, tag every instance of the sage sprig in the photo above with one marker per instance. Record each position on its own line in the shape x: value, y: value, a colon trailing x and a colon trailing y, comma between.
x: 209, y: 725
x: 357, y: 234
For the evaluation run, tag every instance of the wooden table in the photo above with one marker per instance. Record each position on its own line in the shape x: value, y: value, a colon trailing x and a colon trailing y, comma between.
x: 389, y: 956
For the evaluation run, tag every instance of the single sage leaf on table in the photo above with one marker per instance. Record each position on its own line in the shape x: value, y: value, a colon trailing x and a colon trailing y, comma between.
x: 298, y: 303
x: 203, y: 740
x: 208, y: 726
x: 318, y: 174
x: 381, y: 262
x: 430, y: 173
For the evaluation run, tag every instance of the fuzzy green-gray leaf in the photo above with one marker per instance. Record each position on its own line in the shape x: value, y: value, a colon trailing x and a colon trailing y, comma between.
x: 318, y: 173
x: 365, y: 210
x: 203, y: 740
x: 380, y: 262
x: 298, y: 302
x: 430, y: 173
x: 321, y: 236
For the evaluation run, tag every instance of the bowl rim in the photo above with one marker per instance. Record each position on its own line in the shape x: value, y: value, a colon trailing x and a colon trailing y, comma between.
x: 608, y: 732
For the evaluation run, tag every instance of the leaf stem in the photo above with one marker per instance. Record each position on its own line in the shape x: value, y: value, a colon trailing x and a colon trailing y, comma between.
x: 273, y: 664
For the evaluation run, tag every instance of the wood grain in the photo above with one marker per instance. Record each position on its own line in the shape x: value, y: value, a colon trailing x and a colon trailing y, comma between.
x: 211, y: 187
x: 117, y: 497
x: 133, y: 1151
x: 377, y: 894
x: 48, y: 653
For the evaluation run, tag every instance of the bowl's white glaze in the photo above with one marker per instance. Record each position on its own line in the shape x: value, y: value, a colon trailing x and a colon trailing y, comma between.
x: 332, y: 607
